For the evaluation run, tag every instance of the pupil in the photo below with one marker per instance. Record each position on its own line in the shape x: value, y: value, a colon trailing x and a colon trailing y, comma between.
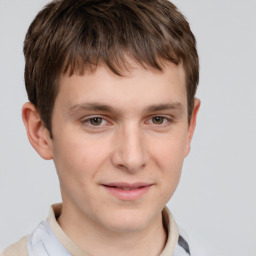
x: 96, y: 121
x: 158, y: 120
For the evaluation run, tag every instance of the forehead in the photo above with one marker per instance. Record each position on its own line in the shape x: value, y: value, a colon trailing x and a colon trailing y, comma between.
x: 137, y: 87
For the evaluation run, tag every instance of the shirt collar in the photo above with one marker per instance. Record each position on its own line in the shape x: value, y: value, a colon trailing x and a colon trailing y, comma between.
x: 168, y: 222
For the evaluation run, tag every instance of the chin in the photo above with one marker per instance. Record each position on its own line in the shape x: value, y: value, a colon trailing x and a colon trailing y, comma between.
x: 128, y: 221
x: 127, y: 226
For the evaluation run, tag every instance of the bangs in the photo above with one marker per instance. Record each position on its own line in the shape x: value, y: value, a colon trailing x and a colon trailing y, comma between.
x: 95, y: 44
x: 74, y: 36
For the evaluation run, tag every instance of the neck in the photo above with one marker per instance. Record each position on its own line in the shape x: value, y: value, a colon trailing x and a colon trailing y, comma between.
x: 97, y: 241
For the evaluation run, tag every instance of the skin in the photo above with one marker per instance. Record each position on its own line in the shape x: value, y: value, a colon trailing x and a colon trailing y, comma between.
x: 109, y: 129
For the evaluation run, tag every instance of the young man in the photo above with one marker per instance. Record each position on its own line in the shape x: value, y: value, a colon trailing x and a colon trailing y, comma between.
x: 111, y: 86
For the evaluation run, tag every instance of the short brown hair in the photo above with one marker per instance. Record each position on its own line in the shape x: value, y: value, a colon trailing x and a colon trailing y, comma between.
x: 74, y: 35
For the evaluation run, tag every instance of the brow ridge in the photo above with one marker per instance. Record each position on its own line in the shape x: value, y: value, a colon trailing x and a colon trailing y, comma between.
x: 94, y: 106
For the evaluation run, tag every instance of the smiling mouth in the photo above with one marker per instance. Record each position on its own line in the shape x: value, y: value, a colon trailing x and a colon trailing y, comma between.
x: 125, y: 188
x: 128, y: 192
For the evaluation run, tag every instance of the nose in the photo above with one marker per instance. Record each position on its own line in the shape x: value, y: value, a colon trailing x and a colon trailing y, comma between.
x: 130, y: 151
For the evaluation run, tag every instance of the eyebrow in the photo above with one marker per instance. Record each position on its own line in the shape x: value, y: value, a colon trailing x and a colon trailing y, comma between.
x: 91, y: 107
x: 159, y: 107
x: 109, y: 109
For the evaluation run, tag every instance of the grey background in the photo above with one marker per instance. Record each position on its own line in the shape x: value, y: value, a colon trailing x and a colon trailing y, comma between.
x: 215, y: 201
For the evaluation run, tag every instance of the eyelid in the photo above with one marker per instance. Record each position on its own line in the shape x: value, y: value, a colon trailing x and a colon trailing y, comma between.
x: 86, y: 121
x: 167, y: 118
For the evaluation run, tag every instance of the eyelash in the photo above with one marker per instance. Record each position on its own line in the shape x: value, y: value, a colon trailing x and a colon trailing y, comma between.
x: 165, y: 119
x: 87, y: 121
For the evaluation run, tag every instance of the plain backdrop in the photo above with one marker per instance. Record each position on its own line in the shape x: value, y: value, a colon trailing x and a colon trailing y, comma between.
x: 215, y: 201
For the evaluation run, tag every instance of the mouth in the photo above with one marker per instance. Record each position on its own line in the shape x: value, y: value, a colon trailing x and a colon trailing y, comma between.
x: 127, y: 191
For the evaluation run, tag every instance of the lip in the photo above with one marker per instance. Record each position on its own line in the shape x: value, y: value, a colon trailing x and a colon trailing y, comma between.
x: 128, y: 191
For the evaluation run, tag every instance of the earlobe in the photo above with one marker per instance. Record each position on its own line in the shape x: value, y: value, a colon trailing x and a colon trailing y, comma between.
x: 192, y: 124
x: 37, y: 133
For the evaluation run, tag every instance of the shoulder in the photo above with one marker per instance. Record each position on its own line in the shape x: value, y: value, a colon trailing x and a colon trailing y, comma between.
x: 17, y: 249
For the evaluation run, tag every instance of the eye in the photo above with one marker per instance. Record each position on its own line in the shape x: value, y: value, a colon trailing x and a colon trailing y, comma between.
x: 96, y: 121
x: 158, y: 120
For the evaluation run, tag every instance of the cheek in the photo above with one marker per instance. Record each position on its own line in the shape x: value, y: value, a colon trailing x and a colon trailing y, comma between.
x: 75, y: 167
x: 170, y: 151
x: 77, y: 159
x: 169, y: 155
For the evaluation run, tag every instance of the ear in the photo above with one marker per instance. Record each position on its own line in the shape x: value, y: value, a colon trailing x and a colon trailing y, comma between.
x: 192, y: 125
x: 37, y: 133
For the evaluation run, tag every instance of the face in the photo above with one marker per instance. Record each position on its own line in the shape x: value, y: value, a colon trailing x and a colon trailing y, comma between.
x: 119, y: 144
